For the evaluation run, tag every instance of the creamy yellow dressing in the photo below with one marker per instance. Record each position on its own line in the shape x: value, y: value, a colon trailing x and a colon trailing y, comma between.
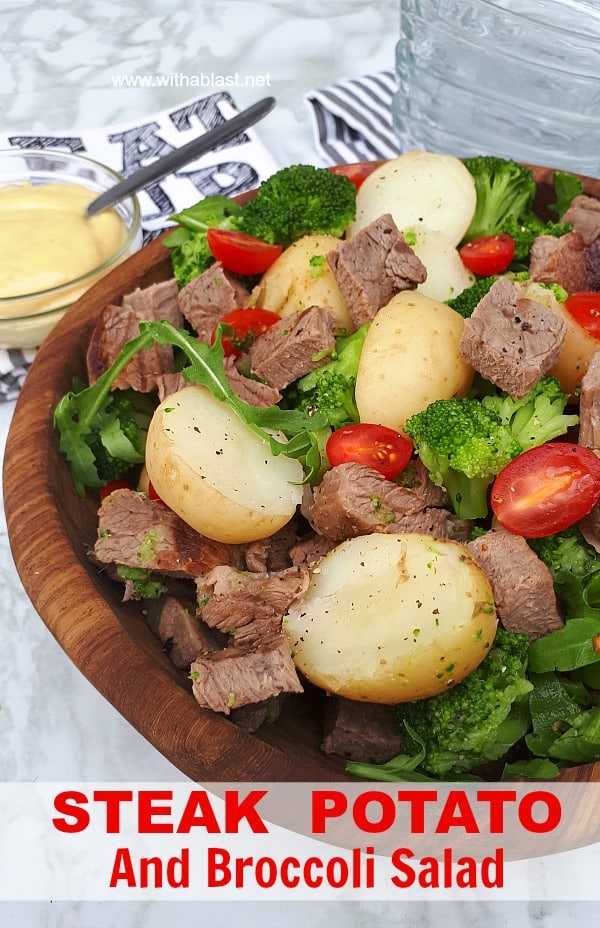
x: 46, y: 240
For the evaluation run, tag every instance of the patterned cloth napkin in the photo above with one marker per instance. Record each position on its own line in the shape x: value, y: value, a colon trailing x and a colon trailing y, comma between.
x: 353, y: 119
x: 238, y: 165
x: 352, y: 122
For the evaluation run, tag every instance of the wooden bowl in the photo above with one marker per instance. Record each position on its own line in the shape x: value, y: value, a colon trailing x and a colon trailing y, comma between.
x: 51, y: 530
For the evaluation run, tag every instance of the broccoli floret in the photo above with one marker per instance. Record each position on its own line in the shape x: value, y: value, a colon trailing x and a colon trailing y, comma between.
x: 474, y: 723
x: 330, y: 389
x: 525, y: 229
x: 479, y: 719
x: 505, y: 191
x: 536, y: 418
x: 464, y: 446
x: 118, y: 440
x: 190, y: 254
x: 300, y: 200
x: 575, y: 568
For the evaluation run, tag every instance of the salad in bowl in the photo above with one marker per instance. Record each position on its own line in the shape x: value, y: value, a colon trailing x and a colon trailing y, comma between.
x: 347, y: 452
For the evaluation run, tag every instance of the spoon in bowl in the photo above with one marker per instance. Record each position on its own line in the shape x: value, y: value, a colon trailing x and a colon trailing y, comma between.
x: 176, y: 159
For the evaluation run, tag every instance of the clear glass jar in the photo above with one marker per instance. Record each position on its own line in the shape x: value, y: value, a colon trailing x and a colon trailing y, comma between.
x: 517, y: 78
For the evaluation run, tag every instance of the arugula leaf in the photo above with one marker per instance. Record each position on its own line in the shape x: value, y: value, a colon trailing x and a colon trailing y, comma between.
x: 538, y: 768
x: 78, y: 414
x: 567, y: 648
x: 566, y: 188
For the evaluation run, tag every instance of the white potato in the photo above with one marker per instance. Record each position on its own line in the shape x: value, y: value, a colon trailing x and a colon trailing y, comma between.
x: 220, y: 477
x: 446, y: 274
x: 293, y: 283
x: 419, y: 188
x: 392, y: 618
x: 410, y: 358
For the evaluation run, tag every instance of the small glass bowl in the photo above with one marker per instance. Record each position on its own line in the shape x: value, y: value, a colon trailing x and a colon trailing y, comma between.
x: 25, y: 320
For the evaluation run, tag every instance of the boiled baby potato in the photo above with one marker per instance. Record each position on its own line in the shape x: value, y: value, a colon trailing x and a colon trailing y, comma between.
x: 301, y: 277
x: 419, y: 188
x: 578, y: 346
x: 446, y: 274
x: 216, y: 474
x: 410, y: 358
x: 392, y: 618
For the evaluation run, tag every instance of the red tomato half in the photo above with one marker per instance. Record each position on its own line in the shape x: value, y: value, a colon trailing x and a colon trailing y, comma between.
x: 357, y: 173
x: 154, y: 495
x: 546, y: 489
x: 585, y: 309
x: 241, y: 253
x: 113, y: 485
x: 374, y: 446
x: 491, y: 254
x: 247, y: 324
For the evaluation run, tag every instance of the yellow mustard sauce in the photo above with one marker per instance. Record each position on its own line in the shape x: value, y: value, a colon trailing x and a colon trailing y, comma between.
x: 46, y: 240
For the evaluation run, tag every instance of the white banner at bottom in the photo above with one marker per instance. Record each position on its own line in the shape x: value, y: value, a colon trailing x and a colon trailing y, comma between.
x: 411, y: 842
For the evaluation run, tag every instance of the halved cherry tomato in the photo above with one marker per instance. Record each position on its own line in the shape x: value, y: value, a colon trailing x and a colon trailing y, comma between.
x: 491, y: 254
x: 585, y: 309
x: 241, y: 253
x: 375, y: 446
x: 113, y: 485
x: 357, y: 173
x: 546, y: 489
x: 247, y: 324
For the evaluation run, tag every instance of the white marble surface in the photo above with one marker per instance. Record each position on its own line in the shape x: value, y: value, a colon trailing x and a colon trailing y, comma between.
x: 56, y: 72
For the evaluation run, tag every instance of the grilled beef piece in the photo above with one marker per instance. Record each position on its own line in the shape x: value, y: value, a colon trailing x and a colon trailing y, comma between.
x: 560, y: 261
x: 117, y: 324
x: 589, y: 405
x: 183, y: 635
x: 136, y: 531
x: 373, y: 266
x: 251, y: 391
x: 360, y: 730
x: 584, y: 214
x: 512, y: 342
x: 236, y: 676
x: 356, y: 500
x: 310, y: 549
x: 273, y: 553
x: 229, y: 599
x: 167, y: 384
x: 207, y: 298
x: 294, y: 346
x: 252, y: 716
x: 415, y: 477
x: 589, y: 527
x: 521, y: 583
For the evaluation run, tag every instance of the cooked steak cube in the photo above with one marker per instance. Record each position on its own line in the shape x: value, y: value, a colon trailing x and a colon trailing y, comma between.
x: 229, y: 599
x: 225, y: 680
x: 183, y: 635
x: 355, y: 500
x: 207, y: 298
x: 589, y: 405
x: 560, y: 261
x: 251, y: 391
x: 360, y: 731
x: 589, y: 527
x: 521, y: 583
x: 373, y: 266
x: 136, y: 531
x: 294, y: 346
x: 510, y: 341
x: 118, y: 324
x: 584, y: 214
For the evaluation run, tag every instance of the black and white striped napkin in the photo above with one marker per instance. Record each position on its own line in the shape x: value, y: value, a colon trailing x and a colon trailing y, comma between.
x: 353, y: 119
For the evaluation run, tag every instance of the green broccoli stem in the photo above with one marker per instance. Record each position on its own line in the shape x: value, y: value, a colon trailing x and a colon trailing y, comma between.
x: 468, y: 495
